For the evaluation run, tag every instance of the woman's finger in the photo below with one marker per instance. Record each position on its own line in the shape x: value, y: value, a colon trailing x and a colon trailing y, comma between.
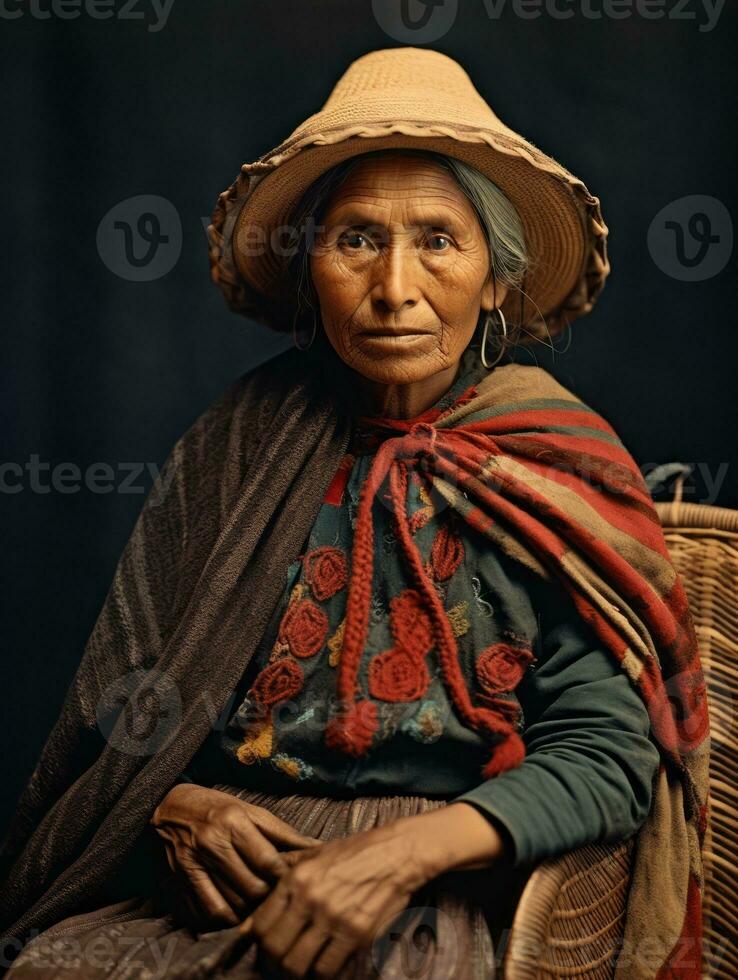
x: 280, y: 832
x: 239, y: 863
x: 291, y: 858
x: 270, y: 911
x: 276, y: 941
x: 213, y: 904
x: 330, y: 961
x: 240, y: 903
x: 183, y: 902
x: 258, y: 853
x: 304, y: 950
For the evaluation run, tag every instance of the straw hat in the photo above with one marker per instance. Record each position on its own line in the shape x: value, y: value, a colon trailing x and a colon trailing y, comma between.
x: 412, y: 98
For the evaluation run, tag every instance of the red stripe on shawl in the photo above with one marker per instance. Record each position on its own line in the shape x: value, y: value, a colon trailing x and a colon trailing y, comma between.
x: 628, y: 509
x: 684, y: 960
x: 553, y: 446
x: 539, y: 418
x: 549, y: 546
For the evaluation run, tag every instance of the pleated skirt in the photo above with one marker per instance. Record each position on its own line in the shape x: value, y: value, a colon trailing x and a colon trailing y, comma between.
x: 456, y: 926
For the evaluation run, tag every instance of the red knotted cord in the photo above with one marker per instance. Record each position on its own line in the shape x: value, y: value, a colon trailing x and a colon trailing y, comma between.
x: 352, y: 730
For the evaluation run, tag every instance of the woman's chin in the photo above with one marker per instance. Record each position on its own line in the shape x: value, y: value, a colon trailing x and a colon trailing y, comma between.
x: 397, y: 360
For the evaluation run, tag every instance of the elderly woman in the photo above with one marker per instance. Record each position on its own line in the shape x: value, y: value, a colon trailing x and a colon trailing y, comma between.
x: 397, y: 621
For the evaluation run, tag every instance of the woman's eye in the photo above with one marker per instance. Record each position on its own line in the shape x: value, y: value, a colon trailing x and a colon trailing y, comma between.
x: 439, y: 243
x: 354, y: 239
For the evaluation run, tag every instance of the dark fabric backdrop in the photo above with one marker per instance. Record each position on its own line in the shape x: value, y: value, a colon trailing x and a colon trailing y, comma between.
x: 102, y: 369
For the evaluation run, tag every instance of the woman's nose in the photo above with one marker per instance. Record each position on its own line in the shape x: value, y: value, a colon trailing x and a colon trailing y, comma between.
x: 396, y: 287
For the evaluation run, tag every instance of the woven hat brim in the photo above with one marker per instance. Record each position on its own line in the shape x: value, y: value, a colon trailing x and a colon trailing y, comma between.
x: 565, y: 233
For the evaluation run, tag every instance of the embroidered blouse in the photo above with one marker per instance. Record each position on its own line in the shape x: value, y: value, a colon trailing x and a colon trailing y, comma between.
x: 589, y: 765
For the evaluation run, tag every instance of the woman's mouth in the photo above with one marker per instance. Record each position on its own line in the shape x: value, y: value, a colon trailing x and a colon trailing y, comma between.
x: 383, y: 333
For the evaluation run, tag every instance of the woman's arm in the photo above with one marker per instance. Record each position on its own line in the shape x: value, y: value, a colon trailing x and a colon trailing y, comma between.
x: 590, y: 761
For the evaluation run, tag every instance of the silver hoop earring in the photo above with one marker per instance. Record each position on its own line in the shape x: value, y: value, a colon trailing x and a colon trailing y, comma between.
x: 315, y: 330
x: 503, y: 338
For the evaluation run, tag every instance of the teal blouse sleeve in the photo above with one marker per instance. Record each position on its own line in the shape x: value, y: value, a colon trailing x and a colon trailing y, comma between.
x: 590, y: 760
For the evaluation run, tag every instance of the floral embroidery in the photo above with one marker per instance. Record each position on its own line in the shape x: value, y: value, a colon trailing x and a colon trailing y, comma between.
x: 277, y: 682
x: 427, y: 724
x: 281, y: 646
x: 501, y: 667
x: 425, y: 496
x: 400, y: 673
x: 423, y: 514
x: 388, y: 724
x: 295, y: 768
x: 396, y: 675
x: 326, y: 571
x: 279, y: 650
x: 304, y: 627
x: 297, y: 593
x: 447, y: 554
x: 257, y: 744
x: 457, y: 617
x: 335, y: 643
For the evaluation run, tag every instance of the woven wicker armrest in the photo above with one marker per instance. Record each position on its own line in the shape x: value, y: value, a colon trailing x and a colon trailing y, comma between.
x: 570, y: 919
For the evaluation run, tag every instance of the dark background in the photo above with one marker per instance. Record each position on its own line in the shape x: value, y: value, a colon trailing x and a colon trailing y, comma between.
x: 97, y: 368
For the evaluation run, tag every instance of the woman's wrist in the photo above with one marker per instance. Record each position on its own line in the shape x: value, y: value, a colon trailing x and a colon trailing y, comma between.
x: 455, y: 837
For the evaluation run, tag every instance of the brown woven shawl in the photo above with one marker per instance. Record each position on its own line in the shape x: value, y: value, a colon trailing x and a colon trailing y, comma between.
x: 192, y: 595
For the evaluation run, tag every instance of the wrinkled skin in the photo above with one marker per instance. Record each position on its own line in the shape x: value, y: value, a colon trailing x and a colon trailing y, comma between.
x: 227, y: 853
x: 311, y: 904
x: 402, y: 272
x: 401, y: 268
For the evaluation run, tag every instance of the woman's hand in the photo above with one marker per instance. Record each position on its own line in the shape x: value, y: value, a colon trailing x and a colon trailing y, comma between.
x: 338, y: 897
x: 223, y: 850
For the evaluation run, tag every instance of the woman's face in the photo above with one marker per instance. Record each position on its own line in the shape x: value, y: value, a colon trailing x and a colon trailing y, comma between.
x: 401, y: 269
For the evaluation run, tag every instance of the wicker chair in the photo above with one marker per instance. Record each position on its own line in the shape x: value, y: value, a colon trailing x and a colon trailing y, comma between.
x: 570, y: 915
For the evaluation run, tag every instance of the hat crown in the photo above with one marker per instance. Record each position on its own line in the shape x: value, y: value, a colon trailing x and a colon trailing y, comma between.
x: 395, y: 70
x: 402, y: 83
